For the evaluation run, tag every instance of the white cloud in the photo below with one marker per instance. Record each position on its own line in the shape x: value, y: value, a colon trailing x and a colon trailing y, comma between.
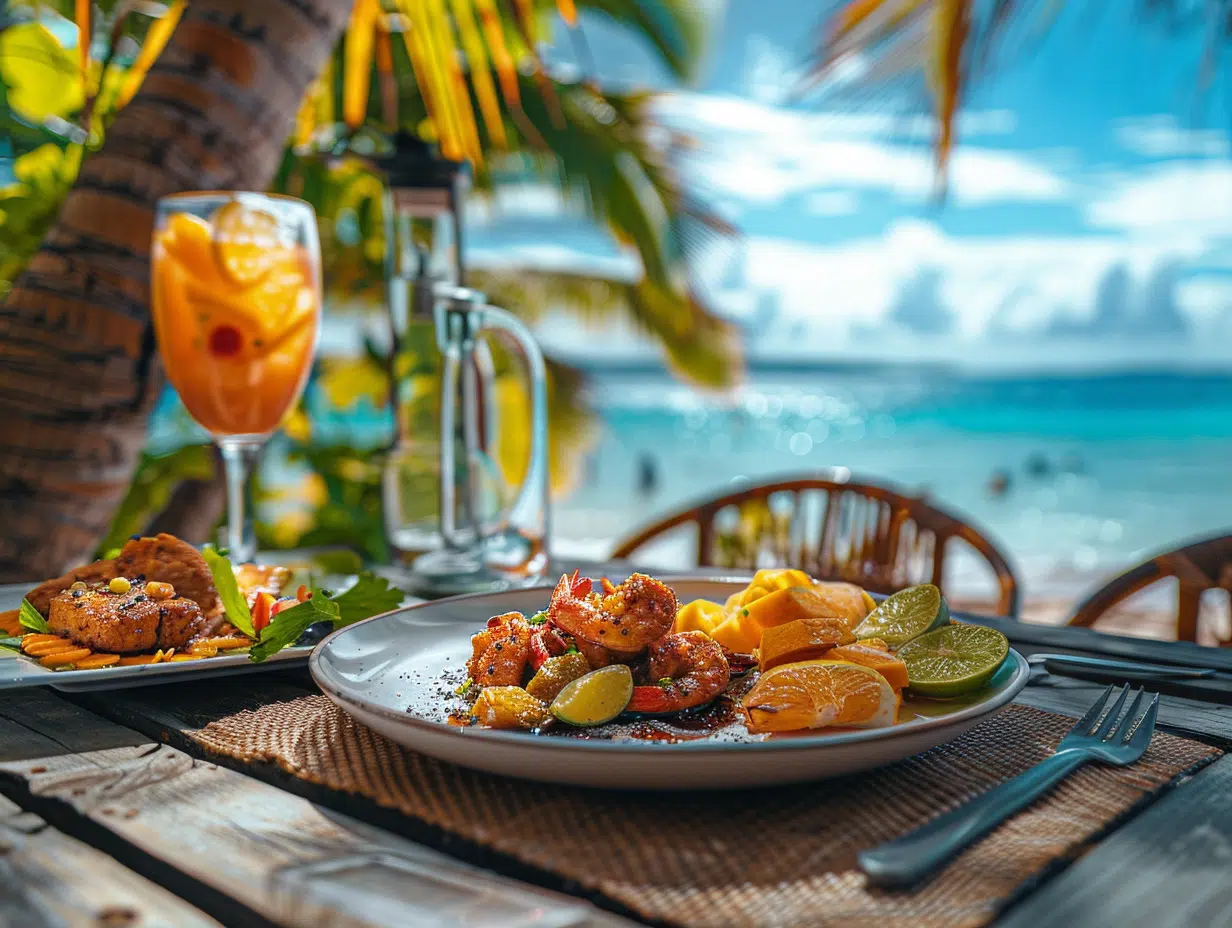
x: 765, y: 154
x: 1185, y: 199
x: 544, y: 256
x: 1160, y: 136
x: 1010, y: 283
x: 770, y: 74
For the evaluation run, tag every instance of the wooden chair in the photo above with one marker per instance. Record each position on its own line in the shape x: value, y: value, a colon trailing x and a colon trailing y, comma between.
x: 1198, y: 566
x: 836, y: 528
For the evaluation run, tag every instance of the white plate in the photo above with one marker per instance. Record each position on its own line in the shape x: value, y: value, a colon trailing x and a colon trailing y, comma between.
x: 17, y: 671
x: 388, y: 673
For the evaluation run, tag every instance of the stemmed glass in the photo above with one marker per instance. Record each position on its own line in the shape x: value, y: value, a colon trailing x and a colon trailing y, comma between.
x: 236, y: 299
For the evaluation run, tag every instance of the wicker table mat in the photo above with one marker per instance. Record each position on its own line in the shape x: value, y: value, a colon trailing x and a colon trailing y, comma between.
x: 776, y: 856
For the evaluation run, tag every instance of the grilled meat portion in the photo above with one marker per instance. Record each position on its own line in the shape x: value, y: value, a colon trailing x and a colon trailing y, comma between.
x: 40, y: 596
x: 124, y: 623
x: 173, y: 561
x: 165, y: 558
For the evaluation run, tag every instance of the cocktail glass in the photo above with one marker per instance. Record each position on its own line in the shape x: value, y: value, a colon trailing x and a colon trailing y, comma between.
x: 236, y: 299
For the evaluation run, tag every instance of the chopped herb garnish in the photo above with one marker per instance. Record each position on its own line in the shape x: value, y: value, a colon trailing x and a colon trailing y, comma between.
x: 538, y: 618
x: 31, y: 618
x: 665, y: 681
x: 744, y: 612
x: 465, y: 687
x: 572, y: 649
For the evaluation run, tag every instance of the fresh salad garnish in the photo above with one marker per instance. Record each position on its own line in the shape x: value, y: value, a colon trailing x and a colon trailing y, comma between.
x: 31, y: 619
x: 282, y: 622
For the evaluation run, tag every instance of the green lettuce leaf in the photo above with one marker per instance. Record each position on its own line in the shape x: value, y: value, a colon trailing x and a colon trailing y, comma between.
x: 371, y: 595
x: 32, y: 619
x: 286, y: 627
x: 10, y: 647
x: 233, y: 602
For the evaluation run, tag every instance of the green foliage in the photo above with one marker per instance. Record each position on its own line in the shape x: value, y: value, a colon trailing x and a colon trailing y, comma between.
x: 156, y: 479
x: 591, y: 144
x: 28, y: 206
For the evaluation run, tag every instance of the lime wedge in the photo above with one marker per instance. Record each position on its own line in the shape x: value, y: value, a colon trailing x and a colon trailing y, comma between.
x: 905, y: 615
x: 596, y: 698
x: 953, y: 660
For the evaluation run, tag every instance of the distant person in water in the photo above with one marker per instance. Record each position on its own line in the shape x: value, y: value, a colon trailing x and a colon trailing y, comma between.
x: 999, y: 483
x: 1038, y: 465
x: 647, y: 476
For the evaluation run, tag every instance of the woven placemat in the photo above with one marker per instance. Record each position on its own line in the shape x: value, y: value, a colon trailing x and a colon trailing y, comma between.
x: 775, y: 856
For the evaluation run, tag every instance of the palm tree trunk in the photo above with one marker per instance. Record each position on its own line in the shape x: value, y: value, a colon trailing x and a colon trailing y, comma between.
x: 78, y: 366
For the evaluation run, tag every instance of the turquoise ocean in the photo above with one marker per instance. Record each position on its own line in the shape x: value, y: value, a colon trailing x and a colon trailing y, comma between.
x: 1101, y: 469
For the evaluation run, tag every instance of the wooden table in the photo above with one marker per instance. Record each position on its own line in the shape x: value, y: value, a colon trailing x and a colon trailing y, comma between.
x: 89, y: 835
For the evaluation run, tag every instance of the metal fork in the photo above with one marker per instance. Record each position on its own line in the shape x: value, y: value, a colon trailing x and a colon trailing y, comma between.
x: 1102, y: 734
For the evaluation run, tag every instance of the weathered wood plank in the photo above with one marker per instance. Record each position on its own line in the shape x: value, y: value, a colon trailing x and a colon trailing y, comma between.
x: 1168, y: 866
x: 49, y: 879
x: 248, y: 853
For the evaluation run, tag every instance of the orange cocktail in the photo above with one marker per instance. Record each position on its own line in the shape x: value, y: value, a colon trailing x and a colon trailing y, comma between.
x: 236, y: 305
x: 236, y: 300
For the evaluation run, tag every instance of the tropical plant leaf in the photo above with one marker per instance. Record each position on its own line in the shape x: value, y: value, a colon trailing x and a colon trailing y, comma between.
x: 40, y: 75
x: 676, y: 30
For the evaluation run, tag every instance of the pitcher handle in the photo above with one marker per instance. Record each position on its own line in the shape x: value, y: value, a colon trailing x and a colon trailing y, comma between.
x: 461, y: 314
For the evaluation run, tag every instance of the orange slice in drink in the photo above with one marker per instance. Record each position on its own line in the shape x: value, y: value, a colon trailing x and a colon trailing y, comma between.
x: 819, y: 694
x: 801, y: 640
x: 245, y: 242
x: 879, y: 659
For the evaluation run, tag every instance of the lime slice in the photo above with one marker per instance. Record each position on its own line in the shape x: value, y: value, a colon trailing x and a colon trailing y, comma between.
x: 596, y: 698
x: 953, y: 660
x: 905, y: 615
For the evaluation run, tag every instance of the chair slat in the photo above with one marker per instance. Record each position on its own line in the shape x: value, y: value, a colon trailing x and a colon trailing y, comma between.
x: 870, y: 533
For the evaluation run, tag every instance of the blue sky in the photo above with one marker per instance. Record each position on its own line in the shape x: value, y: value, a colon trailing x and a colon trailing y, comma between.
x: 1087, y: 166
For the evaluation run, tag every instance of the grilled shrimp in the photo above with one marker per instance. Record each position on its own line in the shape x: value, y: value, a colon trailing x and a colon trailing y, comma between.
x: 500, y: 651
x: 627, y: 619
x: 690, y: 669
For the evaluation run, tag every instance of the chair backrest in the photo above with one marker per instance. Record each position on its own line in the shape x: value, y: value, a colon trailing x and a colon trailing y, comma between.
x: 1198, y: 566
x: 834, y: 527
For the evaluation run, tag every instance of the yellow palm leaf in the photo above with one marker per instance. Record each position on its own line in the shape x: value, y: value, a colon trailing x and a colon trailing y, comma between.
x: 446, y: 54
x: 357, y: 61
x: 502, y: 60
x: 432, y: 76
x: 952, y: 29
x: 316, y: 109
x: 481, y: 77
x: 83, y: 38
x: 385, y: 72
x: 155, y: 41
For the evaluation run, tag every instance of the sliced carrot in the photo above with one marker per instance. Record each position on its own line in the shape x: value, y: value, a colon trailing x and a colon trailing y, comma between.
x: 203, y: 650
x: 188, y: 657
x: 64, y: 657
x: 134, y: 659
x: 32, y: 638
x: 223, y: 644
x: 51, y: 647
x: 95, y: 661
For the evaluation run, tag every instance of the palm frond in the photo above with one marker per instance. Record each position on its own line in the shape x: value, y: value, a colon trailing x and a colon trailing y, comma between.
x: 155, y: 41
x: 357, y: 61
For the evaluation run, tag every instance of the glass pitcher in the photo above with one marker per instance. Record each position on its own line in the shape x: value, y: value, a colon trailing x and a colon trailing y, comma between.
x: 481, y: 549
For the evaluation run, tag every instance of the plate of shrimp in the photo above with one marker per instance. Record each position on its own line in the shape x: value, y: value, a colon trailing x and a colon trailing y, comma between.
x: 654, y: 683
